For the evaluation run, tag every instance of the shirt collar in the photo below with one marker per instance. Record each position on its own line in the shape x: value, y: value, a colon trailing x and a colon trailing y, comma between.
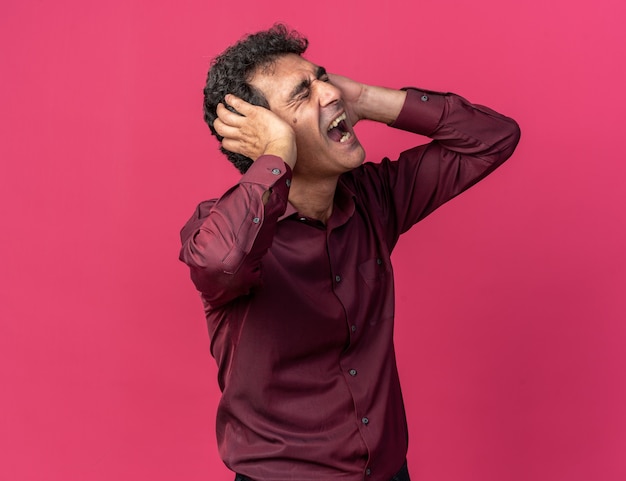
x: 342, y: 210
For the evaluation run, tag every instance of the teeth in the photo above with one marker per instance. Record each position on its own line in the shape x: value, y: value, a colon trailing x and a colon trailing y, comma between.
x: 345, y: 137
x: 335, y: 122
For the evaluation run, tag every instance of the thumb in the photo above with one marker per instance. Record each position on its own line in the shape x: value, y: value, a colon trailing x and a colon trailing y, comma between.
x: 239, y: 105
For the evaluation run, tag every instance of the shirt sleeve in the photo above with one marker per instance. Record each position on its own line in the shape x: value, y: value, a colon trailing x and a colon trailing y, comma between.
x: 469, y: 142
x: 225, y: 240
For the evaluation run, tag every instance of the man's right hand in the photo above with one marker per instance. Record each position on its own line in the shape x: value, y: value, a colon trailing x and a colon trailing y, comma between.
x: 256, y: 132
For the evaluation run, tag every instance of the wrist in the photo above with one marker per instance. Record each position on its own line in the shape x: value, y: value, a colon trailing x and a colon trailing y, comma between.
x: 285, y: 149
x: 381, y: 104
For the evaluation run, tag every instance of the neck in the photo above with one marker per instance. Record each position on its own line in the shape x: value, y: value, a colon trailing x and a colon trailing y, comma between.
x: 313, y: 199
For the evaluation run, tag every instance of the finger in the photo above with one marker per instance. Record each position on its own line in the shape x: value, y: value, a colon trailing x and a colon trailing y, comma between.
x: 333, y: 76
x: 231, y: 145
x: 228, y: 117
x: 337, y: 79
x: 240, y: 105
x: 225, y: 130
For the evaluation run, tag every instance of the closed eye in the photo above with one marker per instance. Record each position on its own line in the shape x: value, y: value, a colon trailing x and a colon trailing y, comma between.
x: 303, y: 90
x: 320, y: 74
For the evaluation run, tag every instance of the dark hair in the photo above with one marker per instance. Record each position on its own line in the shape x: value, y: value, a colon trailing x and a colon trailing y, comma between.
x: 231, y: 71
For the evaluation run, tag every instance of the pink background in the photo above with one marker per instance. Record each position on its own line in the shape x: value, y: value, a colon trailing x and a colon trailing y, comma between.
x: 511, y: 299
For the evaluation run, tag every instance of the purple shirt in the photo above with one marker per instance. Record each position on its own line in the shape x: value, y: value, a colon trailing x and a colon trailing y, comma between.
x: 300, y: 314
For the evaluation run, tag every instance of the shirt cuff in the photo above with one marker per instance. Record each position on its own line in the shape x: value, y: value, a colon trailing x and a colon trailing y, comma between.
x: 421, y: 112
x: 270, y: 172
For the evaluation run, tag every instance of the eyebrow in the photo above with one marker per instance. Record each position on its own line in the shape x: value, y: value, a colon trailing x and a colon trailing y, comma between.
x: 305, y: 84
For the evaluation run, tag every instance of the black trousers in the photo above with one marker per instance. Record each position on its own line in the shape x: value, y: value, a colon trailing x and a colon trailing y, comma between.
x: 402, y: 475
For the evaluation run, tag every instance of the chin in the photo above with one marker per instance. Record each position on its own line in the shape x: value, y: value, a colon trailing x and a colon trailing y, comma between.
x: 359, y: 156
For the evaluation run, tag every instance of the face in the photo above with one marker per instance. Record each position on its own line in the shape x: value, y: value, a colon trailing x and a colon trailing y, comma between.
x: 300, y: 93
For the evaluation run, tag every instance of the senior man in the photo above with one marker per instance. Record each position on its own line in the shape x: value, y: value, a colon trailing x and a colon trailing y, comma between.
x: 293, y: 262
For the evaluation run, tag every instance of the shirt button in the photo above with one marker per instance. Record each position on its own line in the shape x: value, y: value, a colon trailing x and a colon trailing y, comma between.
x: 277, y: 171
x: 368, y: 471
x: 379, y: 261
x: 353, y: 328
x: 288, y: 182
x: 256, y: 220
x: 424, y: 98
x: 302, y: 219
x: 352, y: 372
x: 338, y: 278
x: 365, y: 420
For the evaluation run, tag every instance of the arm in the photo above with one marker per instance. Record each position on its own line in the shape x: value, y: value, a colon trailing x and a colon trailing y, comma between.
x: 225, y: 240
x: 469, y: 142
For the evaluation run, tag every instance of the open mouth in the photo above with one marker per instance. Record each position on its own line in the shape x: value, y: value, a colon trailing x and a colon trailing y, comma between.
x: 338, y: 129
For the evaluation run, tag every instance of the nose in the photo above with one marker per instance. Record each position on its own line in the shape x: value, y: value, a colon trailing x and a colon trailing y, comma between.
x: 327, y: 93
